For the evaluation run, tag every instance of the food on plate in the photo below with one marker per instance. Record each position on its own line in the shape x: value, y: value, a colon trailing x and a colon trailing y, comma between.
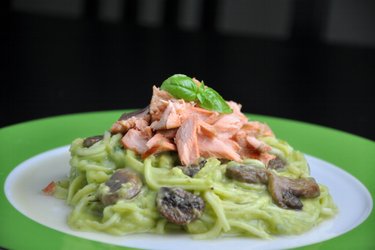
x: 193, y: 163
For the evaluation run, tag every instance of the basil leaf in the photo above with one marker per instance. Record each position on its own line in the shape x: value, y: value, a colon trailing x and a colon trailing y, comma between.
x: 181, y: 87
x: 211, y: 100
x: 200, y: 92
x: 200, y: 97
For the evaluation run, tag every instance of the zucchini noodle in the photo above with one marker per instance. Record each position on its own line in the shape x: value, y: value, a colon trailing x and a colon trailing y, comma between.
x: 231, y: 207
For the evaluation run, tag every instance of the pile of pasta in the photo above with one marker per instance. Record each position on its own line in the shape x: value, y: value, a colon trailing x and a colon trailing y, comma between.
x: 231, y: 207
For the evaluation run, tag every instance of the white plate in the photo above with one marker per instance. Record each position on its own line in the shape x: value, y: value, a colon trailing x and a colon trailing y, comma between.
x: 23, y: 190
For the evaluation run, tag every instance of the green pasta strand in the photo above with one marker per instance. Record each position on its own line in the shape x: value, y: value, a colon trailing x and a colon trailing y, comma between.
x: 216, y: 205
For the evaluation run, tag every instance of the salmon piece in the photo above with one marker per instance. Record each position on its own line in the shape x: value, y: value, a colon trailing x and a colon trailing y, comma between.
x: 117, y: 128
x: 214, y: 147
x: 170, y: 117
x: 177, y: 111
x: 251, y: 147
x: 168, y: 133
x: 257, y: 144
x: 159, y: 102
x: 187, y: 141
x: 211, y: 119
x: 138, y: 119
x: 215, y: 143
x: 159, y: 139
x: 240, y: 138
x: 247, y: 153
x: 50, y: 188
x: 266, y: 157
x: 236, y: 107
x: 206, y: 129
x: 169, y: 124
x: 147, y: 132
x: 236, y: 147
x: 257, y: 129
x: 228, y: 125
x: 202, y: 114
x: 261, y: 156
x: 136, y: 141
x: 124, y: 125
x: 158, y: 143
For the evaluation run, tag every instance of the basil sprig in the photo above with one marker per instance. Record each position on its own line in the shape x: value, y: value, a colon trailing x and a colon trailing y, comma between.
x: 183, y: 87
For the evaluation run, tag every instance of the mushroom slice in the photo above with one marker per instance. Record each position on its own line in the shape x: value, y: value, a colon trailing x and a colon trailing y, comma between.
x: 247, y: 173
x: 138, y: 113
x: 179, y: 206
x: 192, y: 169
x: 89, y: 141
x: 123, y: 184
x: 276, y: 163
x: 286, y: 192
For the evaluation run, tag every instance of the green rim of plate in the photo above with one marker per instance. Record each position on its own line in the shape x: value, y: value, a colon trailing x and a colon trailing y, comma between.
x: 19, y: 142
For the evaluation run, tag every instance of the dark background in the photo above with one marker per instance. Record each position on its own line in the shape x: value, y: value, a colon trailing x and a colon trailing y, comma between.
x: 312, y: 60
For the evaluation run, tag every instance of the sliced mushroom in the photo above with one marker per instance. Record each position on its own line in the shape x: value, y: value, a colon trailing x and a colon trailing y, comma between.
x: 247, y: 173
x: 138, y: 113
x: 123, y: 184
x: 191, y: 170
x: 276, y: 163
x: 89, y: 141
x: 286, y: 192
x: 179, y: 206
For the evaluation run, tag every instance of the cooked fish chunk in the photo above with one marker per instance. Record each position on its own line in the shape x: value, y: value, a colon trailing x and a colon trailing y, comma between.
x: 158, y: 143
x: 187, y: 141
x: 136, y: 140
x: 138, y: 119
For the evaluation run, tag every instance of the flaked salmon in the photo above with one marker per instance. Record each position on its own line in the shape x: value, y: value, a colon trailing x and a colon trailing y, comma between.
x: 158, y: 143
x: 159, y: 102
x: 135, y: 140
x: 170, y: 124
x: 187, y: 141
x: 257, y: 129
x: 258, y: 145
x: 168, y: 133
x: 138, y: 119
x: 171, y: 117
x: 218, y: 148
x: 207, y: 129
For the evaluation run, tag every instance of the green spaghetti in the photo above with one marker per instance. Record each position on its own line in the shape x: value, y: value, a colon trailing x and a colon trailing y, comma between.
x: 232, y: 207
